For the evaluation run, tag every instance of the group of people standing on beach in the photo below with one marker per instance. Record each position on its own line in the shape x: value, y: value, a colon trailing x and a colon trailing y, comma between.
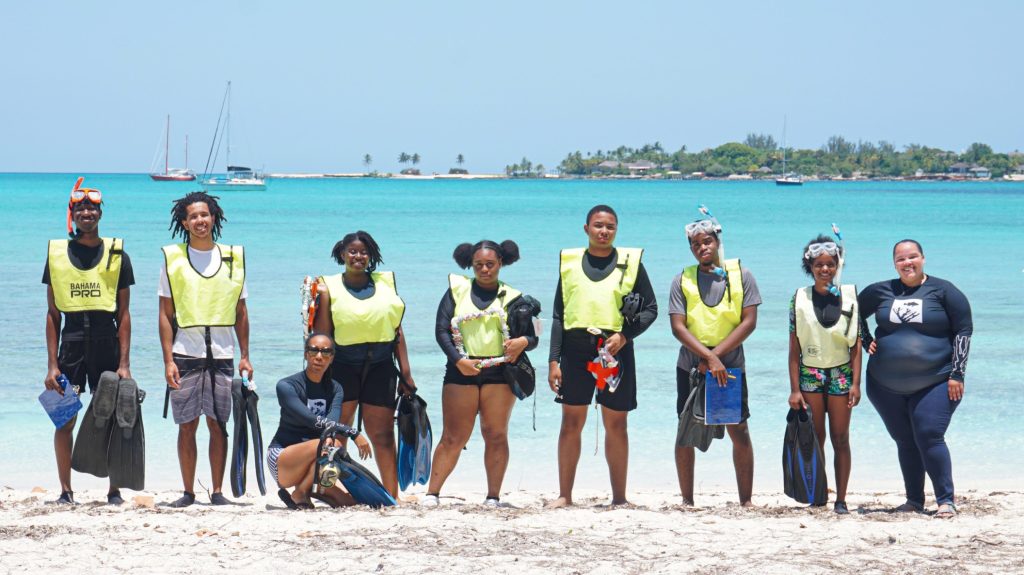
x: 356, y: 353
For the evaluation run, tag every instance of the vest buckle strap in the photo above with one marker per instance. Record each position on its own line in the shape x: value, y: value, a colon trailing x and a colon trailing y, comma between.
x: 594, y: 331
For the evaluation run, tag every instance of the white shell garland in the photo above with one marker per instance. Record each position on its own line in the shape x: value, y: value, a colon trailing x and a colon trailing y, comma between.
x: 457, y: 334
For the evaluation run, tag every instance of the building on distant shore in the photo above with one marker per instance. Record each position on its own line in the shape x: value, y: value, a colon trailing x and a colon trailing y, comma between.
x: 981, y: 173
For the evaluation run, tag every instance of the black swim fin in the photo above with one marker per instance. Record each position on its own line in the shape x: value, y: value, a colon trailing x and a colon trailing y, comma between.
x: 126, y: 454
x: 803, y: 460
x: 90, y: 452
x: 253, y: 413
x: 240, y: 443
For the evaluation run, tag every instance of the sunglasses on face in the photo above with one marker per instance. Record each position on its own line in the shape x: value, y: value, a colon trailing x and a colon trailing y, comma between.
x: 314, y: 351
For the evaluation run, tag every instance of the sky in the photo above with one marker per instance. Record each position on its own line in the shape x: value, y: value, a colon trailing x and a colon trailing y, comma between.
x: 86, y: 86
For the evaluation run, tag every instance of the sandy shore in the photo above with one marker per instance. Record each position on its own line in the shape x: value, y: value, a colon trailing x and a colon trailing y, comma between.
x: 652, y: 536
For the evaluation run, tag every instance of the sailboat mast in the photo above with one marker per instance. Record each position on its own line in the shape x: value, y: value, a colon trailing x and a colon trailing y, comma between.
x: 167, y: 144
x: 783, y: 146
x: 186, y: 151
x: 228, y: 125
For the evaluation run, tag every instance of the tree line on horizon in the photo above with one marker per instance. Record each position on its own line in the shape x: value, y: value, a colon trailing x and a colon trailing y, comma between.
x: 836, y: 157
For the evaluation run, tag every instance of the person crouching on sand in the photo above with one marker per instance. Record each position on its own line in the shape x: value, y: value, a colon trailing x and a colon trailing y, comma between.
x: 310, y: 403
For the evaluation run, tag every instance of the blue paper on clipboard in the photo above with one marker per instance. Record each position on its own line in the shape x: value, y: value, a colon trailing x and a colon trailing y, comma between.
x: 723, y: 405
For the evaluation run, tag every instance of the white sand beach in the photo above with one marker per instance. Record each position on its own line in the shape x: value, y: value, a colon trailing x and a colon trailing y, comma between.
x: 654, y: 535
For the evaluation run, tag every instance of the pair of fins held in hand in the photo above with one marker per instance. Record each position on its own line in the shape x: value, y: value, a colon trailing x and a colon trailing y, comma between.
x: 111, y: 440
x: 246, y: 416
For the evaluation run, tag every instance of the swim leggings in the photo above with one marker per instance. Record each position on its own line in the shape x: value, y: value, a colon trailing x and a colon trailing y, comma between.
x: 918, y: 423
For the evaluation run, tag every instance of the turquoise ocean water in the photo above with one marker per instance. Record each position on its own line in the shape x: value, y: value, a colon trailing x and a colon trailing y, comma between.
x: 971, y: 233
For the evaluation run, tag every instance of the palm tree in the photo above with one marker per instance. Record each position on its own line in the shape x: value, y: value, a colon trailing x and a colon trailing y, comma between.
x: 540, y: 170
x: 367, y: 160
x: 403, y: 158
x: 415, y: 159
x: 460, y: 160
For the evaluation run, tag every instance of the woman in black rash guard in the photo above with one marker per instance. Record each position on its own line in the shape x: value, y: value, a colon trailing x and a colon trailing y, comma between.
x: 470, y: 388
x: 593, y: 287
x: 310, y: 403
x: 915, y: 375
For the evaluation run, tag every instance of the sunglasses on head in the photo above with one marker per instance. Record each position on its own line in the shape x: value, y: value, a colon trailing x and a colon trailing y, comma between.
x: 314, y: 351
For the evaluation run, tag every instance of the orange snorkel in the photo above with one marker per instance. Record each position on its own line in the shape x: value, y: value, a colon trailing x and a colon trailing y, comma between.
x: 78, y: 184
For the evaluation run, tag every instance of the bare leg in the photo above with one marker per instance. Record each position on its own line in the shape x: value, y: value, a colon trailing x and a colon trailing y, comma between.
x: 380, y: 428
x: 743, y: 461
x: 459, y: 406
x: 218, y: 453
x: 616, y: 451
x: 63, y: 441
x: 839, y: 413
x: 187, y: 453
x: 569, y: 446
x: 685, y: 459
x: 818, y: 408
x: 496, y: 403
x: 348, y: 417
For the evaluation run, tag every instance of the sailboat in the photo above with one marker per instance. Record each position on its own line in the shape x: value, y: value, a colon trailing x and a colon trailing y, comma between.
x: 238, y: 178
x: 173, y: 174
x: 787, y: 178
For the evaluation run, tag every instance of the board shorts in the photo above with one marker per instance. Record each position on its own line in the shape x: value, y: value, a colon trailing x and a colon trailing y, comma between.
x: 579, y: 385
x: 831, y: 380
x: 83, y: 361
x: 683, y: 389
x: 273, y: 452
x: 380, y: 387
x: 202, y: 391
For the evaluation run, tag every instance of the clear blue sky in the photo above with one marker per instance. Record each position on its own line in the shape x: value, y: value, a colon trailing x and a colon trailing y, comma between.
x: 86, y: 85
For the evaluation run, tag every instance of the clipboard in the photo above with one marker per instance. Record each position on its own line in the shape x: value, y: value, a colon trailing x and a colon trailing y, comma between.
x: 723, y: 405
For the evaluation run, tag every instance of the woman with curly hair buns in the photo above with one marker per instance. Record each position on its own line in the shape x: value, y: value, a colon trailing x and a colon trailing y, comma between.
x: 476, y: 344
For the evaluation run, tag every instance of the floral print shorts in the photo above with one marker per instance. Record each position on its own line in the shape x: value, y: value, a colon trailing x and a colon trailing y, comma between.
x: 831, y: 380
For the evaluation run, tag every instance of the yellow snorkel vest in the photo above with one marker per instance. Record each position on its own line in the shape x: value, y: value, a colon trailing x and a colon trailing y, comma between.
x: 481, y: 337
x: 201, y: 301
x: 371, y: 320
x: 94, y: 289
x: 710, y: 325
x: 590, y: 304
x: 822, y: 346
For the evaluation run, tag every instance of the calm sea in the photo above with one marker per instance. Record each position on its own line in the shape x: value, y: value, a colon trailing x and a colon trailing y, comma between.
x: 971, y: 233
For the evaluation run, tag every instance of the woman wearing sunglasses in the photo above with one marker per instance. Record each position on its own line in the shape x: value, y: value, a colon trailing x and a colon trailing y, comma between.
x: 916, y: 370
x: 362, y: 311
x: 824, y: 353
x: 477, y: 344
x: 310, y: 403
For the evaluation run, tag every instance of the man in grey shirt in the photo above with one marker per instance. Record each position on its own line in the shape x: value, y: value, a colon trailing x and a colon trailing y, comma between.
x: 711, y: 318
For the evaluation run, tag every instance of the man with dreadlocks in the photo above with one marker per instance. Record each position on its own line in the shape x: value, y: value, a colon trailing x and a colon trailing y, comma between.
x: 202, y: 308
x: 87, y: 279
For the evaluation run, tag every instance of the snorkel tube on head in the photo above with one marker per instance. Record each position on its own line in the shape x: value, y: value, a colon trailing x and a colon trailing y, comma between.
x: 834, y: 288
x: 718, y: 232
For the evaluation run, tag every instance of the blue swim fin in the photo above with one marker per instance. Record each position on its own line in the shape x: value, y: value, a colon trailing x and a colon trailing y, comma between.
x: 362, y: 484
x: 414, y: 441
x: 803, y: 460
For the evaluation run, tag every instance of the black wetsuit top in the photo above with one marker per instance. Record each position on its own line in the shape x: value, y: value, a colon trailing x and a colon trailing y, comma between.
x: 307, y: 408
x: 482, y: 299
x: 357, y: 353
x: 101, y: 324
x: 923, y: 333
x: 598, y: 268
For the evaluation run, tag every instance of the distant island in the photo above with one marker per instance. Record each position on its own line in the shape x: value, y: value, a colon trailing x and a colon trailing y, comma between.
x: 757, y: 157
x: 760, y: 157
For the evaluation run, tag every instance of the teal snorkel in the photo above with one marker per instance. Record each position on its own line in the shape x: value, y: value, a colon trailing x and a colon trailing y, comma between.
x: 834, y: 288
x: 719, y: 270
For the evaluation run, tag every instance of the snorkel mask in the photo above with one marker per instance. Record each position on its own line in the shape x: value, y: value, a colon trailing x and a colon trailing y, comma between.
x: 709, y: 225
x: 833, y: 249
x: 78, y: 195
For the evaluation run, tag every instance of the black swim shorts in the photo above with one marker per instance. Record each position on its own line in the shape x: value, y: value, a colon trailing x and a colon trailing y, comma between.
x: 379, y: 388
x: 83, y: 361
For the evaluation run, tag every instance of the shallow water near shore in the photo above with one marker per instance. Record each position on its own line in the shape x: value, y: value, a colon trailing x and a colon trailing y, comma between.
x: 970, y: 231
